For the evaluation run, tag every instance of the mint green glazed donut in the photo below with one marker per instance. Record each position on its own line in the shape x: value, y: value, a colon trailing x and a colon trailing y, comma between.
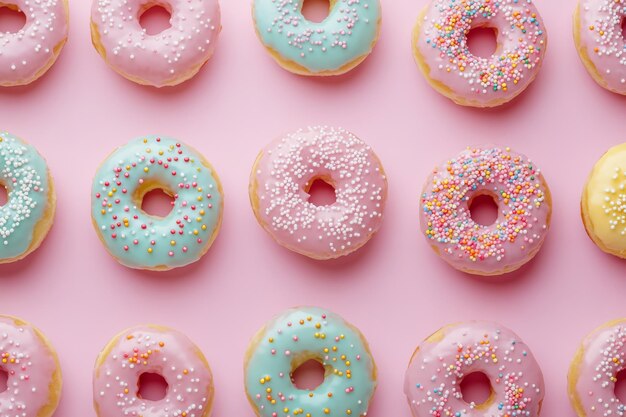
x: 297, y: 336
x: 139, y: 240
x: 28, y: 214
x: 331, y: 47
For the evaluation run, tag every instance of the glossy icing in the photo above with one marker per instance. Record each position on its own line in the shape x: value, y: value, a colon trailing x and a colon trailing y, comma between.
x: 157, y: 350
x: 28, y: 53
x: 524, y: 210
x: 32, y: 367
x: 24, y: 173
x: 594, y: 370
x: 440, y: 42
x: 598, y: 30
x: 438, y: 366
x: 289, y: 165
x: 167, y: 58
x: 292, y: 338
x: 603, y: 208
x: 346, y: 35
x: 139, y: 240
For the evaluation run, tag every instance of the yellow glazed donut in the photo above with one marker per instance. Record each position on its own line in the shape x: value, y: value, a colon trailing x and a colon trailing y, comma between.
x: 332, y: 47
x: 34, y: 379
x: 28, y: 214
x: 603, y: 203
x: 442, y: 53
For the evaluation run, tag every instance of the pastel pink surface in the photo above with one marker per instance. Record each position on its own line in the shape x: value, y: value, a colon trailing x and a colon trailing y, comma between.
x: 395, y: 289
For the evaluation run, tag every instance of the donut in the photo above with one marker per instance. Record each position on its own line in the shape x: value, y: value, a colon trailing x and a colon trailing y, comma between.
x: 593, y: 371
x: 142, y: 241
x: 332, y: 47
x: 283, y: 174
x: 29, y: 53
x: 152, y: 349
x: 524, y: 203
x: 432, y: 383
x: 30, y: 362
x: 299, y: 335
x: 442, y: 53
x: 602, y: 202
x: 27, y: 217
x: 600, y: 43
x: 165, y: 59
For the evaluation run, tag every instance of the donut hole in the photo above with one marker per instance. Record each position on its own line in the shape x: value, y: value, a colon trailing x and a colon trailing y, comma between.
x: 315, y: 10
x: 151, y: 386
x: 484, y: 209
x: 620, y: 386
x: 321, y: 192
x: 623, y: 26
x: 12, y: 19
x: 308, y: 376
x: 475, y: 388
x: 482, y: 41
x: 4, y: 379
x: 157, y: 202
x: 4, y: 195
x: 155, y: 19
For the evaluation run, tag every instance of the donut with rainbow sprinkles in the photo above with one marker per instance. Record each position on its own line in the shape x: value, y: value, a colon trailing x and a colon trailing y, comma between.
x: 441, y: 49
x: 521, y: 194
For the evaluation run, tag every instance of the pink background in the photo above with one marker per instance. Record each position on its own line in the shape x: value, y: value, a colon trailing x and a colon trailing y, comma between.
x: 395, y: 289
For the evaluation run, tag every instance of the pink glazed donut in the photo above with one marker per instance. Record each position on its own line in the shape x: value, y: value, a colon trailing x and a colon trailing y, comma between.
x: 283, y: 174
x: 27, y: 54
x: 442, y: 53
x: 600, y: 41
x: 524, y: 210
x: 593, y: 372
x: 155, y: 350
x: 433, y: 379
x: 33, y: 372
x: 165, y: 59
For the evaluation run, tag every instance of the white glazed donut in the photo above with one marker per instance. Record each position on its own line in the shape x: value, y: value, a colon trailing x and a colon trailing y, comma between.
x: 166, y: 59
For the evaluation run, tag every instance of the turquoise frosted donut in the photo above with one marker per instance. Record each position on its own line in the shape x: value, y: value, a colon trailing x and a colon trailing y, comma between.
x: 332, y: 47
x: 28, y: 214
x: 297, y: 336
x: 139, y: 240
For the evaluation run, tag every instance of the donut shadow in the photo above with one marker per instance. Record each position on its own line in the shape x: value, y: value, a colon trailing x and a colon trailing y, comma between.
x: 517, y: 104
x: 351, y: 76
x: 179, y: 89
x: 337, y: 266
x: 19, y: 269
x: 519, y: 276
x: 19, y: 90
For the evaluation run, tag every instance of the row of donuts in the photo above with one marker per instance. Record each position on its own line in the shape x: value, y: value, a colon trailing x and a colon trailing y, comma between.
x: 279, y: 189
x: 331, y: 47
x: 432, y: 381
